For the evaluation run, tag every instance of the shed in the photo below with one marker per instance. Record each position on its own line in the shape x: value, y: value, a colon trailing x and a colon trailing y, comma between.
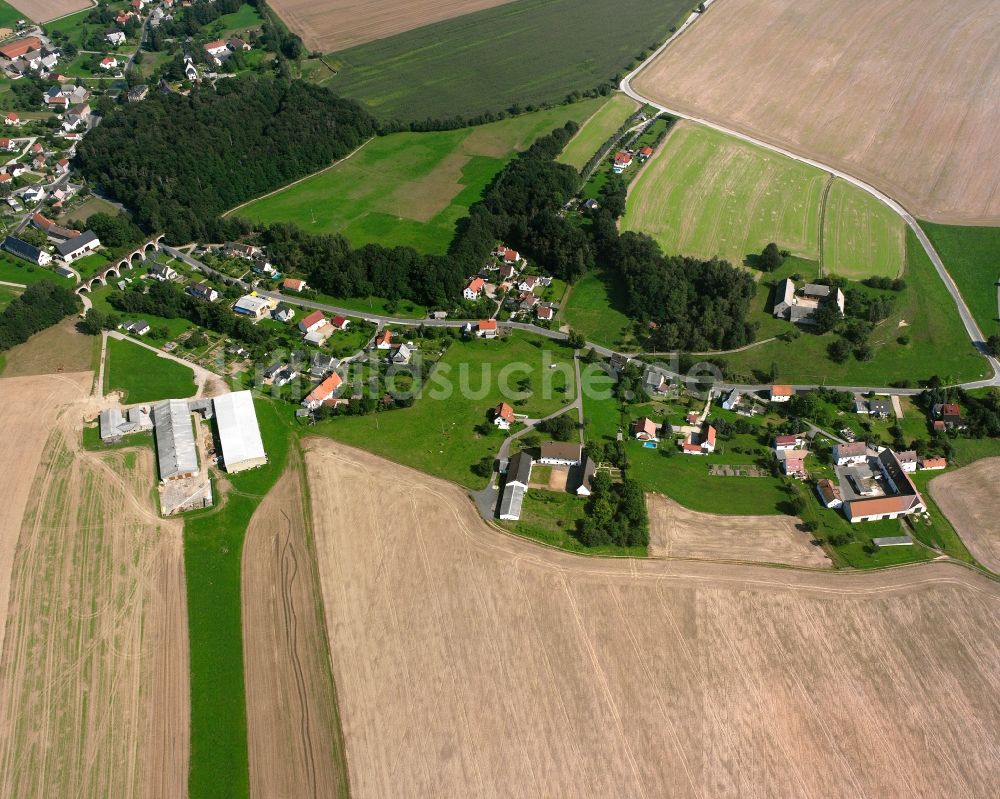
x: 239, y: 433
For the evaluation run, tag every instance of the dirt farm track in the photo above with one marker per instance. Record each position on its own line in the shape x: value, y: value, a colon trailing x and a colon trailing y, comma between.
x: 331, y: 25
x: 900, y: 94
x: 471, y: 663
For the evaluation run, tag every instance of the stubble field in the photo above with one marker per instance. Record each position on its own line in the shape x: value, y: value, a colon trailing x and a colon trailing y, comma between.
x: 44, y: 10
x: 707, y: 194
x: 676, y: 531
x: 472, y: 663
x: 969, y: 498
x: 331, y: 25
x: 94, y: 668
x: 292, y: 726
x: 901, y: 97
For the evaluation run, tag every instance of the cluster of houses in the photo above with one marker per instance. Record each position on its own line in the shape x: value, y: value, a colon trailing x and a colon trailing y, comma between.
x: 799, y: 306
x: 623, y: 159
x: 558, y: 454
x: 791, y: 452
x: 504, y: 273
x: 28, y: 56
x: 698, y: 439
x: 220, y: 50
x: 874, y: 484
x: 316, y: 329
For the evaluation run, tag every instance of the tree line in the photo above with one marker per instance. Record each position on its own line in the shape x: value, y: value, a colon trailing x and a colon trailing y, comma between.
x: 616, y: 514
x: 41, y: 305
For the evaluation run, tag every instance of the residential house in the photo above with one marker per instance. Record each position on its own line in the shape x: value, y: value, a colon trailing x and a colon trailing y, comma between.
x: 507, y: 272
x: 792, y: 441
x: 237, y: 249
x: 76, y: 116
x: 623, y: 161
x: 62, y: 166
x: 109, y: 62
x: 731, y: 402
x: 162, y: 272
x: 384, y: 340
x: 8, y: 145
x: 507, y: 255
x: 319, y: 335
x: 138, y: 327
x: 474, y: 289
x: 401, y: 355
x: 292, y: 284
x: 312, y: 321
x: 951, y: 415
x: 800, y: 307
x: 202, y: 291
x: 528, y: 282
x: 115, y: 38
x: 78, y: 246
x: 487, y: 328
x: 793, y: 462
x: 645, y: 429
x: 561, y: 453
x: 879, y: 408
x: 503, y: 416
x: 28, y: 252
x: 283, y: 313
x: 217, y: 48
x: 545, y: 312
x: 138, y: 93
x: 190, y: 72
x: 321, y: 365
x: 519, y: 470
x: 33, y: 195
x: 285, y: 376
x: 938, y: 426
x: 340, y: 322
x: 933, y: 464
x: 699, y: 443
x: 270, y: 373
x: 848, y: 454
x: 829, y: 493
x: 236, y: 44
x: 324, y: 392
x: 527, y: 301
x: 12, y: 119
x: 781, y: 393
x: 645, y: 152
x: 657, y: 383
x: 253, y: 306
x: 908, y: 460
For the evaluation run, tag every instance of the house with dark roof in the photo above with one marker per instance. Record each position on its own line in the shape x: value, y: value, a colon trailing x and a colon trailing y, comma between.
x: 28, y: 252
x: 79, y: 246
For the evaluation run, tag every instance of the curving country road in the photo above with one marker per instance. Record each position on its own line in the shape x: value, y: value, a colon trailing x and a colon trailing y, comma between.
x: 971, y: 327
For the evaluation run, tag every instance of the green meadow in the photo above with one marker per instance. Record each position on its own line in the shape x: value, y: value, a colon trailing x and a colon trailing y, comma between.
x: 525, y: 53
x: 597, y: 130
x: 972, y: 257
x: 409, y: 189
x: 143, y: 376
x: 708, y: 194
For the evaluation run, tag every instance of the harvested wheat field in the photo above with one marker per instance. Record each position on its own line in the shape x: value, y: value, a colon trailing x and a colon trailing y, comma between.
x: 292, y: 724
x: 902, y: 95
x: 94, y: 667
x: 331, y: 25
x: 676, y: 532
x: 46, y: 10
x: 57, y: 349
x: 971, y: 501
x: 471, y: 663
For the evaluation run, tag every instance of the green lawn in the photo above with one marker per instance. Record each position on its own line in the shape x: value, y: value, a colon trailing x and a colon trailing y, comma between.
x: 938, y: 342
x: 14, y: 270
x: 972, y: 257
x: 143, y: 376
x: 708, y: 194
x: 437, y: 434
x: 378, y: 306
x: 409, y: 189
x: 73, y: 26
x: 525, y: 52
x: 245, y: 17
x: 7, y: 294
x: 174, y: 327
x: 594, y: 309
x: 90, y: 265
x: 551, y: 517
x: 213, y: 547
x: 596, y: 130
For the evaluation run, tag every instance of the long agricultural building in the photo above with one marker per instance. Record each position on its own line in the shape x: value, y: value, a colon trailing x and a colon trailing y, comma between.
x: 176, y: 452
x: 239, y: 433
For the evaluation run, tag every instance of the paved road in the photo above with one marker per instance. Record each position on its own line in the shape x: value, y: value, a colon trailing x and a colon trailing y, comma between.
x: 971, y: 327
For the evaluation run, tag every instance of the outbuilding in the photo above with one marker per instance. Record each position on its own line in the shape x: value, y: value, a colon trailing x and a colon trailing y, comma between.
x: 239, y: 433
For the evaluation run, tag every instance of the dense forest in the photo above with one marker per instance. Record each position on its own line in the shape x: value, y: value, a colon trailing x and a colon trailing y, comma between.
x: 179, y: 162
x: 40, y: 306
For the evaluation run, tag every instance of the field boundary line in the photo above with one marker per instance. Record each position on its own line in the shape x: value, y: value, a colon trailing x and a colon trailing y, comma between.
x: 827, y: 188
x: 280, y: 189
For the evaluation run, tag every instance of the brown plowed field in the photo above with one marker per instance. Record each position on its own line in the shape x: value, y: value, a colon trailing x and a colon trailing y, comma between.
x: 900, y: 94
x: 292, y: 726
x: 970, y: 498
x: 471, y: 663
x: 331, y: 25
x: 45, y: 10
x: 675, y: 531
x: 94, y: 666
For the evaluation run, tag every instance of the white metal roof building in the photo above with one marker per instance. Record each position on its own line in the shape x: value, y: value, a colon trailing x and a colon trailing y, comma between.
x: 510, y: 502
x: 175, y: 446
x: 239, y: 433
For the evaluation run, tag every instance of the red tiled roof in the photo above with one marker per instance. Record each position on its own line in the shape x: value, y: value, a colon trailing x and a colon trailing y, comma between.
x: 476, y: 284
x: 504, y: 411
x: 781, y: 391
x: 710, y: 435
x: 293, y: 283
x: 386, y: 337
x: 951, y: 410
x: 781, y: 440
x: 487, y: 324
x: 647, y: 150
x: 339, y: 321
x: 645, y: 425
x: 939, y: 425
x: 215, y: 45
x: 20, y: 47
x: 325, y: 389
x: 934, y: 463
x: 312, y: 318
x: 623, y: 158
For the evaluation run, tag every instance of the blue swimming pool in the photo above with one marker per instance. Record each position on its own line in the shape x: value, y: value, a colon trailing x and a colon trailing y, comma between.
x: 649, y: 444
